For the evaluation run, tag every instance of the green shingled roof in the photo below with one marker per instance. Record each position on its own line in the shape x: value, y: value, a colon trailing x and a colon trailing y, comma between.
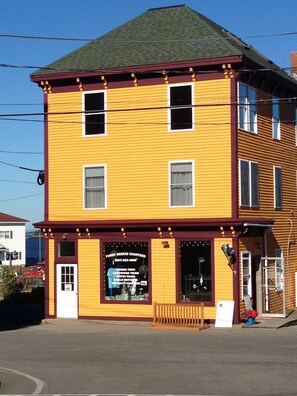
x: 158, y: 36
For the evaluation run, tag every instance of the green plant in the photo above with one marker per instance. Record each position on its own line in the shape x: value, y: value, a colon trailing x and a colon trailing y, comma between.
x: 10, y: 282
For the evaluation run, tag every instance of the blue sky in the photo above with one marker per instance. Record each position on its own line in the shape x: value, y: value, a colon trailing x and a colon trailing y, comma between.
x: 22, y: 137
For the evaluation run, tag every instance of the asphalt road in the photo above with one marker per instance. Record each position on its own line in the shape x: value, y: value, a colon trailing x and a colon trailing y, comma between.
x: 110, y: 358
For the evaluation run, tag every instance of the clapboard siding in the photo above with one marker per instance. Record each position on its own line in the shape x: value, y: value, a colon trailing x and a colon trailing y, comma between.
x: 262, y: 148
x: 137, y: 150
x: 51, y: 278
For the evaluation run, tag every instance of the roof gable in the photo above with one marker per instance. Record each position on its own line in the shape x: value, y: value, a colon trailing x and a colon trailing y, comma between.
x: 5, y: 218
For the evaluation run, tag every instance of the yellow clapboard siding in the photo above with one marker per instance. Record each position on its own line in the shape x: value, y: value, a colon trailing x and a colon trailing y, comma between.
x: 90, y: 283
x: 223, y: 273
x: 136, y: 151
x: 88, y: 276
x: 163, y: 272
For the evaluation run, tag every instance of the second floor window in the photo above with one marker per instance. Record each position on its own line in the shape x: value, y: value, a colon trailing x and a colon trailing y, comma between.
x: 277, y: 187
x: 94, y: 187
x: 94, y: 113
x: 247, y: 110
x: 181, y: 107
x: 249, y: 183
x: 181, y: 184
x: 6, y: 235
x: 276, y: 134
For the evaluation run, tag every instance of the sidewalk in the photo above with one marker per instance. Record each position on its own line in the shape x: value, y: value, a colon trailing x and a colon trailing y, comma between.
x: 276, y: 323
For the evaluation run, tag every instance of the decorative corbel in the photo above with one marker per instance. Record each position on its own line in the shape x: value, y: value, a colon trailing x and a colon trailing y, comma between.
x: 123, y: 232
x: 135, y: 81
x: 104, y: 81
x: 165, y: 75
x: 80, y: 85
x: 46, y: 87
x: 193, y: 75
x: 228, y: 71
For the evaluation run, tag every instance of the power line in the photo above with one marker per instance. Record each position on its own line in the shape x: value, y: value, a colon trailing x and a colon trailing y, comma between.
x: 25, y: 196
x: 16, y: 181
x: 48, y: 38
x: 21, y: 152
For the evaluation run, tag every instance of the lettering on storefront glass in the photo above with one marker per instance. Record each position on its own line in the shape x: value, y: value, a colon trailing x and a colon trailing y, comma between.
x: 126, y: 271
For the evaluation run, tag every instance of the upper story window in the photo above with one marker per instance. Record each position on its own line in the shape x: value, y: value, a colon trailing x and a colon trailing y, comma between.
x: 181, y: 183
x: 277, y: 187
x: 94, y: 113
x: 6, y: 234
x: 181, y: 107
x: 249, y: 183
x: 247, y: 110
x: 276, y: 133
x: 94, y: 187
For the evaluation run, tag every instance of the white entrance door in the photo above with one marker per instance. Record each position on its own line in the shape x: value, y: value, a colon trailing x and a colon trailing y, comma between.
x: 67, y: 299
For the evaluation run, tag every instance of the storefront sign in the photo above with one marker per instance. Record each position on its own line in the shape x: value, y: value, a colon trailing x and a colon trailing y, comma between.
x: 224, y: 317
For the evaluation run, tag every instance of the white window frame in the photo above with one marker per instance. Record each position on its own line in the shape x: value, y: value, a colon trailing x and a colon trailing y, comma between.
x: 246, y: 258
x: 251, y: 203
x: 279, y: 269
x: 278, y: 189
x: 276, y: 132
x: 192, y: 162
x: 170, y: 108
x: 247, y: 107
x: 104, y: 167
x: 84, y: 113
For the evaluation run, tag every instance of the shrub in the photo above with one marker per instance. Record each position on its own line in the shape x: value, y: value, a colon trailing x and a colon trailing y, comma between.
x: 10, y: 282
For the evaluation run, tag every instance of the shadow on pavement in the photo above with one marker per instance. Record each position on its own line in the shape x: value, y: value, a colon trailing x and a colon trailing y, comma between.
x: 25, y: 309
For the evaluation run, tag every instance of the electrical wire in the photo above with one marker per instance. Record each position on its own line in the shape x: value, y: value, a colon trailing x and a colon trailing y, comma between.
x: 21, y: 152
x: 48, y: 38
x: 25, y: 196
x: 16, y: 181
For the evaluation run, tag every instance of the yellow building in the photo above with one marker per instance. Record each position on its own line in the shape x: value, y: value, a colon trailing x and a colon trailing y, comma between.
x: 158, y: 154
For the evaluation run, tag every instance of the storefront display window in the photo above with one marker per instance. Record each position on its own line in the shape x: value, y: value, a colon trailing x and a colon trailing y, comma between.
x: 126, y: 271
x: 195, y: 271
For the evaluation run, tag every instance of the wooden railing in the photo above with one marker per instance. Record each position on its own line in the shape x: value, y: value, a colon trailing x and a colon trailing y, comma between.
x: 179, y: 315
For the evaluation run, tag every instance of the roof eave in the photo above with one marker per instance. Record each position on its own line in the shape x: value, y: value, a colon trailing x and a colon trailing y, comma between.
x: 136, y: 68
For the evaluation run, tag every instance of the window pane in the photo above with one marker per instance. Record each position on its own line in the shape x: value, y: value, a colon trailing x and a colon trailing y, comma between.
x: 181, y: 107
x: 278, y: 187
x: 254, y: 184
x: 66, y: 249
x: 195, y: 271
x: 244, y: 183
x: 275, y: 118
x: 252, y: 109
x: 246, y: 274
x: 94, y: 188
x: 242, y: 99
x: 181, y: 184
x: 181, y: 96
x: 126, y: 271
x: 94, y: 122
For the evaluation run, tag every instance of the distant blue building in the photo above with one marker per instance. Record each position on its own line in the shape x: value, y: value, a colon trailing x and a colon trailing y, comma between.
x: 34, y: 250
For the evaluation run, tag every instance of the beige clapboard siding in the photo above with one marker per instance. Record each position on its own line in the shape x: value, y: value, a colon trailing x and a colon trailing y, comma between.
x: 137, y: 150
x: 269, y: 153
